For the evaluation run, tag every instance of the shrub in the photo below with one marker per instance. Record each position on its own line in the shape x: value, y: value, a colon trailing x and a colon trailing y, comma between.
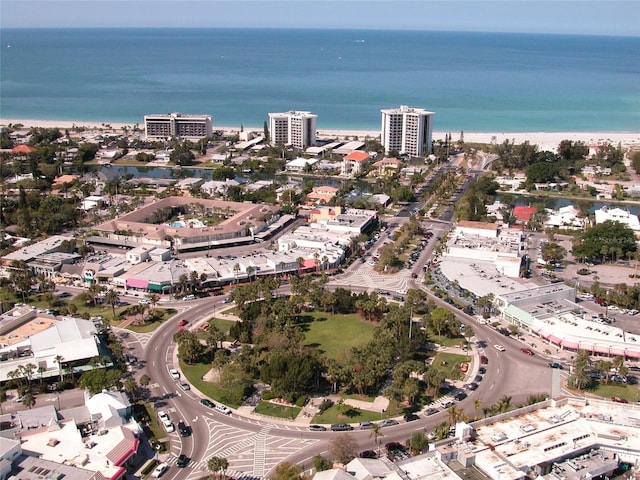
x: 325, y: 405
x: 268, y: 395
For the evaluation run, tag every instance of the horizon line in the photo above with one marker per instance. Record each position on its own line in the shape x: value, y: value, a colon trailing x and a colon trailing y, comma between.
x: 353, y: 29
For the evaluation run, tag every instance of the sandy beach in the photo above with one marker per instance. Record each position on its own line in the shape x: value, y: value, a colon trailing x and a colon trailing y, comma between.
x: 544, y: 140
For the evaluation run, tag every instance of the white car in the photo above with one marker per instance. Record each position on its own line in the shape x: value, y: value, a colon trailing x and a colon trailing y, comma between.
x: 160, y: 470
x: 223, y: 409
x: 166, y: 421
x: 500, y: 348
x: 175, y: 374
x: 402, y: 292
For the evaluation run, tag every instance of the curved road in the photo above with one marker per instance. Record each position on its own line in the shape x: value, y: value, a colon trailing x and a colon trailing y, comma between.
x: 254, y: 447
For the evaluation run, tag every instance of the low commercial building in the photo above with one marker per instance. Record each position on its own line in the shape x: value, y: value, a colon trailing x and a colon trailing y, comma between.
x: 242, y: 222
x: 479, y: 241
x: 339, y: 219
x: 567, y: 217
x: 73, y: 341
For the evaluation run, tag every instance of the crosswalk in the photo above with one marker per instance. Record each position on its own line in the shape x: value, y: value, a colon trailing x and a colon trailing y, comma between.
x: 369, y: 278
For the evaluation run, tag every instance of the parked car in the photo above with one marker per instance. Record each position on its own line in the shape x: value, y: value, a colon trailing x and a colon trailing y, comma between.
x: 368, y: 454
x: 182, y: 323
x: 388, y: 422
x: 471, y: 386
x: 446, y: 404
x: 166, y: 421
x: 317, y: 428
x: 555, y: 365
x: 483, y: 360
x: 175, y: 374
x: 223, y: 409
x: 460, y: 396
x: 366, y: 425
x: 410, y: 417
x: 207, y: 403
x: 431, y: 411
x: 482, y: 370
x: 341, y: 427
x: 184, y: 386
x: 619, y: 400
x: 526, y: 351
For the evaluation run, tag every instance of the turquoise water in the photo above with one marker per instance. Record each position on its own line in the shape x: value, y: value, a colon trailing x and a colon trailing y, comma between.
x: 480, y: 82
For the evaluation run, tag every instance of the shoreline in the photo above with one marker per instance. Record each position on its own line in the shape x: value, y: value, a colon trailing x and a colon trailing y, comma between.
x: 544, y: 140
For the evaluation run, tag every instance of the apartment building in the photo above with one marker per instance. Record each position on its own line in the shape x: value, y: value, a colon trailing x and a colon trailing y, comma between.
x: 407, y: 130
x: 297, y: 129
x: 177, y: 125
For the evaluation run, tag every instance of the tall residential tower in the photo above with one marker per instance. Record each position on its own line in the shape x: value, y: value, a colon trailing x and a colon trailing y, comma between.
x: 297, y: 129
x: 407, y: 130
x: 177, y: 125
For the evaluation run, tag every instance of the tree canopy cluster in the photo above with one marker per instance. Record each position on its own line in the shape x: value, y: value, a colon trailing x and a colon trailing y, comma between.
x: 605, y: 242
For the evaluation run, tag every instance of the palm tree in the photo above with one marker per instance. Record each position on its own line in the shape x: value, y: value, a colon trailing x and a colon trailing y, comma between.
x: 300, y: 262
x: 58, y: 359
x: 217, y: 464
x: 376, y: 433
x: 504, y: 403
x: 112, y: 298
x: 153, y: 300
x: 93, y: 291
x: 250, y: 271
x: 29, y: 400
x: 236, y: 270
x: 454, y: 414
x: 477, y: 403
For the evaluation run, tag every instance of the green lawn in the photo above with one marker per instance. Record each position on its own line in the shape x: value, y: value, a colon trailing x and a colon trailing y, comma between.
x: 335, y: 334
x: 446, y: 341
x: 151, y: 326
x: 194, y: 374
x: 615, y: 389
x: 449, y: 363
x: 280, y: 411
x: 332, y: 415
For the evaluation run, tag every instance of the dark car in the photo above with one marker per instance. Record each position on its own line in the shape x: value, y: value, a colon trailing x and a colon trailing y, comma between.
x: 460, y: 396
x: 183, y: 461
x: 471, y: 386
x: 341, y: 427
x: 484, y: 360
x: 482, y: 370
x: 555, y: 365
x: 183, y: 429
x: 368, y: 454
x: 317, y: 428
x: 410, y: 417
x: 431, y: 411
x: 207, y: 403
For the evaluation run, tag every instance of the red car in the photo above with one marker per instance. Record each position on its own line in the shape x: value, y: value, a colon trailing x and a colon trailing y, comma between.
x: 618, y: 400
x: 528, y: 351
x: 182, y: 323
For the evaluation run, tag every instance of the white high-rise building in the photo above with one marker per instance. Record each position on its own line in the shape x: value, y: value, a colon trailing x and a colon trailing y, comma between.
x: 297, y: 129
x: 407, y: 130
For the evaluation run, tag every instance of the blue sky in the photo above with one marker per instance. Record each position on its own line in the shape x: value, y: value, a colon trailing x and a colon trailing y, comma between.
x: 614, y: 17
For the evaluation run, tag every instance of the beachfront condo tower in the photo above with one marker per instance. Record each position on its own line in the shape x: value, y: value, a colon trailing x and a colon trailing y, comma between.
x: 407, y: 130
x: 177, y: 125
x: 297, y: 129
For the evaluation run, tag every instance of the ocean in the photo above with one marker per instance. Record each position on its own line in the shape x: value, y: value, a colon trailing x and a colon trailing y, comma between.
x: 474, y: 82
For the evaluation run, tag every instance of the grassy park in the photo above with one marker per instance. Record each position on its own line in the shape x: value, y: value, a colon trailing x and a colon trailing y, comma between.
x: 335, y: 334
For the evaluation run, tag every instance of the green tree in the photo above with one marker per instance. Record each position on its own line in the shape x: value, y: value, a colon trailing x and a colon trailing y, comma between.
x: 320, y: 464
x: 218, y: 464
x: 607, y: 241
x: 418, y: 442
x: 553, y: 253
x: 288, y: 471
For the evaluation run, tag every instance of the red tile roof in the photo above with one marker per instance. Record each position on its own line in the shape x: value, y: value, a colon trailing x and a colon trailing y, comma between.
x: 23, y: 149
x: 357, y: 156
x: 523, y: 213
